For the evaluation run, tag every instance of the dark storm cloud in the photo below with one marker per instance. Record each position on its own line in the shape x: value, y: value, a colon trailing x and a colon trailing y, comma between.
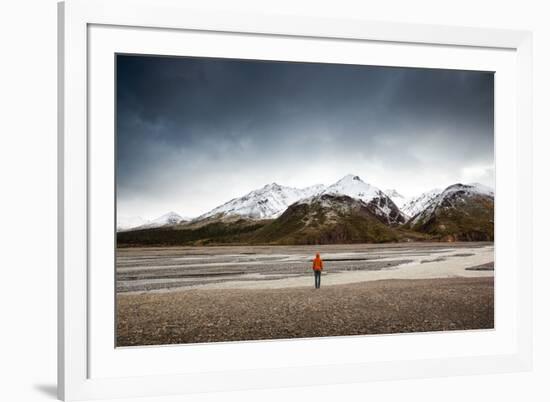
x: 183, y: 121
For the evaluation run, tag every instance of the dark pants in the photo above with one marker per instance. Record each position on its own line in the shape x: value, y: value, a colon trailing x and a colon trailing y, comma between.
x: 317, y: 279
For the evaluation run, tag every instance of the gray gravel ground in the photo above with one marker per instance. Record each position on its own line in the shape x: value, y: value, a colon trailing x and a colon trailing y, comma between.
x: 378, y: 307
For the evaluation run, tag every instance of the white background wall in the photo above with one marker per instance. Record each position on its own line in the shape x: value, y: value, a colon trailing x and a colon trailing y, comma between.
x: 28, y: 199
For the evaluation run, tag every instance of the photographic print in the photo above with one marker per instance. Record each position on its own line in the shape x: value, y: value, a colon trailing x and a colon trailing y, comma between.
x: 260, y: 200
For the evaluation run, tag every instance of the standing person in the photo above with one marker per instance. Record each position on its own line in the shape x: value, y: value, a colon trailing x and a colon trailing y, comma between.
x: 317, y: 268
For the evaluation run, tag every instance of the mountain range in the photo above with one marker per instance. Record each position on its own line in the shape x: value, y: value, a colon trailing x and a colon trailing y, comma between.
x: 268, y: 202
x: 348, y: 211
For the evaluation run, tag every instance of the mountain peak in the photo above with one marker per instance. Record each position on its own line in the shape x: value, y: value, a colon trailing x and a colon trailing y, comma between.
x: 475, y: 188
x: 353, y: 186
x: 168, y: 218
x: 350, y: 178
x: 472, y: 205
x: 453, y: 197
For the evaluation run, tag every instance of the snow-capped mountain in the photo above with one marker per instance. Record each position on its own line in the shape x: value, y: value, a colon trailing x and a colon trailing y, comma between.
x: 390, y: 208
x: 354, y: 187
x: 170, y: 218
x: 397, y: 198
x: 268, y: 202
x: 460, y: 212
x: 347, y: 211
x: 452, y: 196
x: 414, y: 205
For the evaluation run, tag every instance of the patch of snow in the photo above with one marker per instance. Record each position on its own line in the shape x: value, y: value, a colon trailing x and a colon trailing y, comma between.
x: 170, y: 218
x: 454, y: 193
x: 354, y: 187
x: 268, y: 202
x: 129, y: 222
x: 468, y: 189
x: 397, y: 198
x: 481, y: 189
x: 417, y: 204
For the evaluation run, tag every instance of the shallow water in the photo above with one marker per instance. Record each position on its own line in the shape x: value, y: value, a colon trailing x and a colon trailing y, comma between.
x: 164, y: 269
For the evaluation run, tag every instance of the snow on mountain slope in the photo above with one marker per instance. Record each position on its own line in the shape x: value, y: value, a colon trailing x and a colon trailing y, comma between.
x: 272, y: 200
x: 170, y: 218
x: 129, y: 222
x: 328, y: 219
x: 268, y: 202
x: 453, y: 196
x: 481, y: 189
x: 417, y: 204
x: 354, y: 187
x: 397, y: 198
x: 462, y: 212
x: 136, y: 222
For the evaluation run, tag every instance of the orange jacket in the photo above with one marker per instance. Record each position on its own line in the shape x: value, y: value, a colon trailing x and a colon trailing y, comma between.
x: 317, y: 263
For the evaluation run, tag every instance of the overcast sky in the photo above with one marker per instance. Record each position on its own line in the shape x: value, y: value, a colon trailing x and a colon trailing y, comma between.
x: 192, y: 133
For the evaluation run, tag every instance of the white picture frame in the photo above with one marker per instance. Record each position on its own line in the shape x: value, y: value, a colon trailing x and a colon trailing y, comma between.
x: 156, y: 22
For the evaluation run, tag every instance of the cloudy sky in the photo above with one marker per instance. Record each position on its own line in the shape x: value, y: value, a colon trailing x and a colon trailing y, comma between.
x: 193, y: 133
